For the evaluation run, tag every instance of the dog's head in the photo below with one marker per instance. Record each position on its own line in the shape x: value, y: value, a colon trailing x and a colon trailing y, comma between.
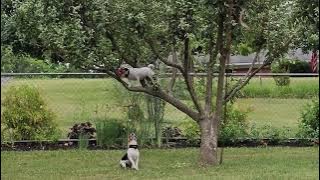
x: 132, y: 137
x: 122, y: 71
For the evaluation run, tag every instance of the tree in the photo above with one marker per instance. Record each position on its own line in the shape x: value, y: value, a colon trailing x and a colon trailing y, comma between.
x: 100, y: 35
x: 306, y: 20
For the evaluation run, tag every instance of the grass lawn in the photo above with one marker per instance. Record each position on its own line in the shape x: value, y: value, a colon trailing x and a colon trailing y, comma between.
x: 266, y: 87
x: 239, y: 163
x: 274, y: 112
x: 80, y: 100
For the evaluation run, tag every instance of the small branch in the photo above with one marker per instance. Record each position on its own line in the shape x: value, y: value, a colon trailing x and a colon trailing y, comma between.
x: 166, y: 62
x: 247, y: 74
x: 241, y: 19
x: 240, y: 86
x: 268, y: 61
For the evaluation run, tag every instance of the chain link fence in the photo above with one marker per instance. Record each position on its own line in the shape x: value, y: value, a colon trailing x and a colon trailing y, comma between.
x: 80, y: 97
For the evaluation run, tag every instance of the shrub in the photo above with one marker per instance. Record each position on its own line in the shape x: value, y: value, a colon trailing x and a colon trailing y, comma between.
x: 309, y: 124
x: 191, y: 130
x: 27, y: 115
x: 235, y: 124
x: 268, y: 131
x: 11, y: 62
x: 244, y: 49
x: 110, y: 132
x: 281, y: 66
x: 298, y: 66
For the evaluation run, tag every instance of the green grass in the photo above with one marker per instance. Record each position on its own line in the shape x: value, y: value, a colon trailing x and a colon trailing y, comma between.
x: 239, y: 163
x: 81, y: 100
x: 266, y: 87
x: 274, y: 112
x: 77, y: 100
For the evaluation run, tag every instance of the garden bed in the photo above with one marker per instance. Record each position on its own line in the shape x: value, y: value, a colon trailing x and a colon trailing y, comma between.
x: 167, y: 143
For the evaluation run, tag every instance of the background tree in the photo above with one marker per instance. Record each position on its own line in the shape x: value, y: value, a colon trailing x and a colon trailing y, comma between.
x: 306, y: 19
x: 100, y: 35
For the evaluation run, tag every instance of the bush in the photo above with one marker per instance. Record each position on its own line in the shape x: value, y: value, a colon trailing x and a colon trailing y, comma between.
x: 270, y: 132
x: 309, y: 124
x: 18, y: 63
x: 191, y: 130
x: 298, y: 66
x: 27, y: 115
x: 281, y: 66
x: 235, y: 124
x: 110, y: 132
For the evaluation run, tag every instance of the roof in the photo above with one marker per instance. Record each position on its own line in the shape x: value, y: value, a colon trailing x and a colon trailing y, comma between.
x: 246, y: 60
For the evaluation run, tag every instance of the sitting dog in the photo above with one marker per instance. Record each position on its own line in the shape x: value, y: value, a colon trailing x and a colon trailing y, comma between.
x: 137, y: 74
x: 131, y: 158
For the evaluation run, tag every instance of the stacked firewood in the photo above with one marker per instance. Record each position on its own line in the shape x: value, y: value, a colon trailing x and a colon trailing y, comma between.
x: 84, y: 129
x: 171, y: 132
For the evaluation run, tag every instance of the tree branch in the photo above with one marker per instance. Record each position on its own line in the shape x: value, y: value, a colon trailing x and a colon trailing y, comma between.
x: 249, y: 75
x: 157, y: 93
x: 166, y: 62
x: 225, y: 55
x: 188, y: 78
x: 184, y: 71
x: 212, y: 58
x: 243, y: 79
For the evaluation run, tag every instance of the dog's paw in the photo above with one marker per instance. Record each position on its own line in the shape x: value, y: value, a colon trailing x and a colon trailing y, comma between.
x: 155, y: 87
x: 123, y: 164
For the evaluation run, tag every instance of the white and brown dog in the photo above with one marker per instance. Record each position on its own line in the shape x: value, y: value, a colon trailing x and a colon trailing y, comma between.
x: 131, y: 158
x: 137, y: 74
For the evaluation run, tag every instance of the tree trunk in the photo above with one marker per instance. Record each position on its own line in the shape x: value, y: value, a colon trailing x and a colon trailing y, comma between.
x: 209, y: 141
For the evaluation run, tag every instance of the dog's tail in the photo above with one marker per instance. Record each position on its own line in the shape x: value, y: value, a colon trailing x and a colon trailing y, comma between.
x: 151, y: 66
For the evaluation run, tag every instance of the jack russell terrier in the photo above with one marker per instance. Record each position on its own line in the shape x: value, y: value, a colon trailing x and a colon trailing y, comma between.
x: 131, y: 158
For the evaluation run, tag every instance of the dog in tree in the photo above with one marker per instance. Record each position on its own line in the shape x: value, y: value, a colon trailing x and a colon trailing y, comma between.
x: 143, y: 74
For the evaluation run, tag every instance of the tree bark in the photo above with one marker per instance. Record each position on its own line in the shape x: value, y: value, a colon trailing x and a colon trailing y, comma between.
x: 209, y: 141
